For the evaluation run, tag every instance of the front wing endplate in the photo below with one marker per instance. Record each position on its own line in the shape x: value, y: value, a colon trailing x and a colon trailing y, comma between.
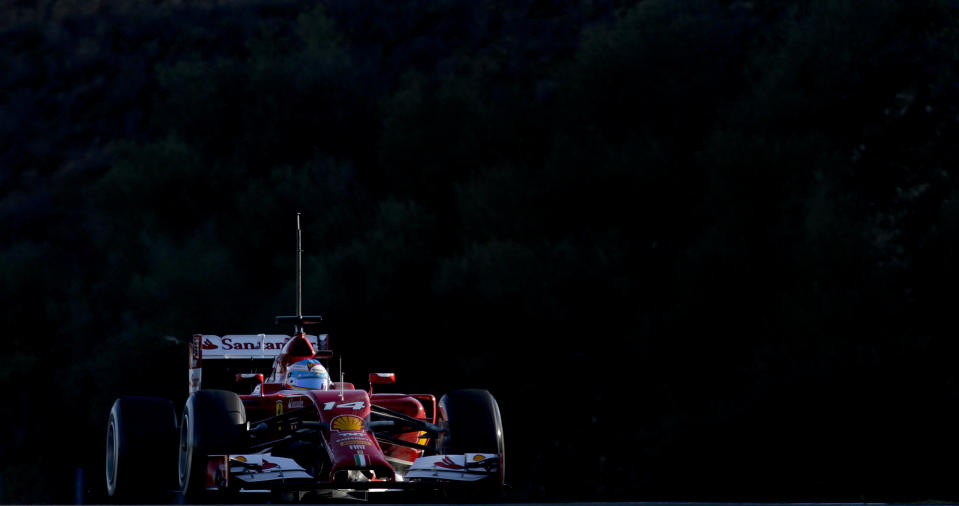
x: 468, y: 467
x: 261, y: 468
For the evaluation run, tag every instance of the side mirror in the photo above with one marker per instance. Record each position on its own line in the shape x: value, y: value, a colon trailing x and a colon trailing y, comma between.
x: 251, y: 378
x: 381, y: 378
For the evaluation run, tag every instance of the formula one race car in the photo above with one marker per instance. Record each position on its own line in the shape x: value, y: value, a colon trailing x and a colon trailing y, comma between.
x: 298, y: 434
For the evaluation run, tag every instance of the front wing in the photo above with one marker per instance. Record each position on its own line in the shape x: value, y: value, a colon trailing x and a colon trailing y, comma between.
x: 266, y: 472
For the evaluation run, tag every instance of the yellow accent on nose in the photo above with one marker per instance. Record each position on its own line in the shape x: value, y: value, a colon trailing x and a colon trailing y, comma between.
x: 347, y: 422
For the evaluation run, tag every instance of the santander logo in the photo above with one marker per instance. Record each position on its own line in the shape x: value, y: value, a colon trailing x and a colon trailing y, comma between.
x: 228, y: 344
x: 271, y: 344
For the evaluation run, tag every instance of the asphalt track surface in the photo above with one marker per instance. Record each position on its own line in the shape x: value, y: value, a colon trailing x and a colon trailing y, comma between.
x: 673, y: 504
x: 680, y: 504
x: 692, y: 504
x: 649, y: 504
x: 936, y: 503
x: 643, y: 504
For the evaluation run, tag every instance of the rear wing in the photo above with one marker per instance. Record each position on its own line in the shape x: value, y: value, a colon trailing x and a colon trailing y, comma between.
x: 250, y: 348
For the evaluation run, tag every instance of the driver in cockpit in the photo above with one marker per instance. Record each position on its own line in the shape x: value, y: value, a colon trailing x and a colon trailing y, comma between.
x: 307, y: 374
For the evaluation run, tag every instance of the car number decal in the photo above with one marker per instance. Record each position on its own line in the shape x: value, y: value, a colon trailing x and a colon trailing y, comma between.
x: 346, y: 405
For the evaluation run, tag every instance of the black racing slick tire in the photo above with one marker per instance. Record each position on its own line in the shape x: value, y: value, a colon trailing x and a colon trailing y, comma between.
x: 213, y: 422
x: 474, y: 425
x: 141, y: 435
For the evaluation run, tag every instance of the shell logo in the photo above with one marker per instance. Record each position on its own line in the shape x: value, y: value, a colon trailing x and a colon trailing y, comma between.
x: 347, y: 422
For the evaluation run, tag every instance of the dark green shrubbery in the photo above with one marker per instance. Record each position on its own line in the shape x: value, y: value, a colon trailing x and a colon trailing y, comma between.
x: 737, y: 218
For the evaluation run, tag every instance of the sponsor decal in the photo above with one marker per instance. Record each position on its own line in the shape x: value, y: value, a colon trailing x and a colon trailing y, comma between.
x: 353, y: 434
x: 360, y: 460
x: 262, y: 344
x: 195, y: 350
x: 279, y: 407
x: 347, y: 422
x: 295, y: 403
x: 240, y: 458
x: 355, y: 443
x: 196, y: 376
x: 479, y: 458
x: 229, y: 344
x: 268, y: 465
x: 447, y: 463
x: 351, y: 438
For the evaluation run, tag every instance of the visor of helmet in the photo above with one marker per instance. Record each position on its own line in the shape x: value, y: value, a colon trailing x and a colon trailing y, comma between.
x: 309, y: 380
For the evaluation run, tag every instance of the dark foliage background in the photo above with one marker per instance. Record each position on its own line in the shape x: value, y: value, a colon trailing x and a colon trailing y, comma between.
x: 698, y: 249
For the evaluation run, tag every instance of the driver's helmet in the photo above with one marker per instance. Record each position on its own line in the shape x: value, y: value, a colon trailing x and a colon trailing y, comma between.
x: 307, y: 374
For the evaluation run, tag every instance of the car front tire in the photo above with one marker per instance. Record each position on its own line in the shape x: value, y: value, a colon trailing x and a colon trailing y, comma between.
x: 213, y: 422
x: 474, y: 425
x: 141, y: 432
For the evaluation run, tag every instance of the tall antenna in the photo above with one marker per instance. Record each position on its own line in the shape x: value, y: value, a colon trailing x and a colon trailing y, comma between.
x: 299, y: 321
x: 299, y: 272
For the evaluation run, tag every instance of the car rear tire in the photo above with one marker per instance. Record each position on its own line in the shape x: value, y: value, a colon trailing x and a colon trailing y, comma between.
x: 213, y: 422
x: 474, y: 425
x: 141, y: 434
